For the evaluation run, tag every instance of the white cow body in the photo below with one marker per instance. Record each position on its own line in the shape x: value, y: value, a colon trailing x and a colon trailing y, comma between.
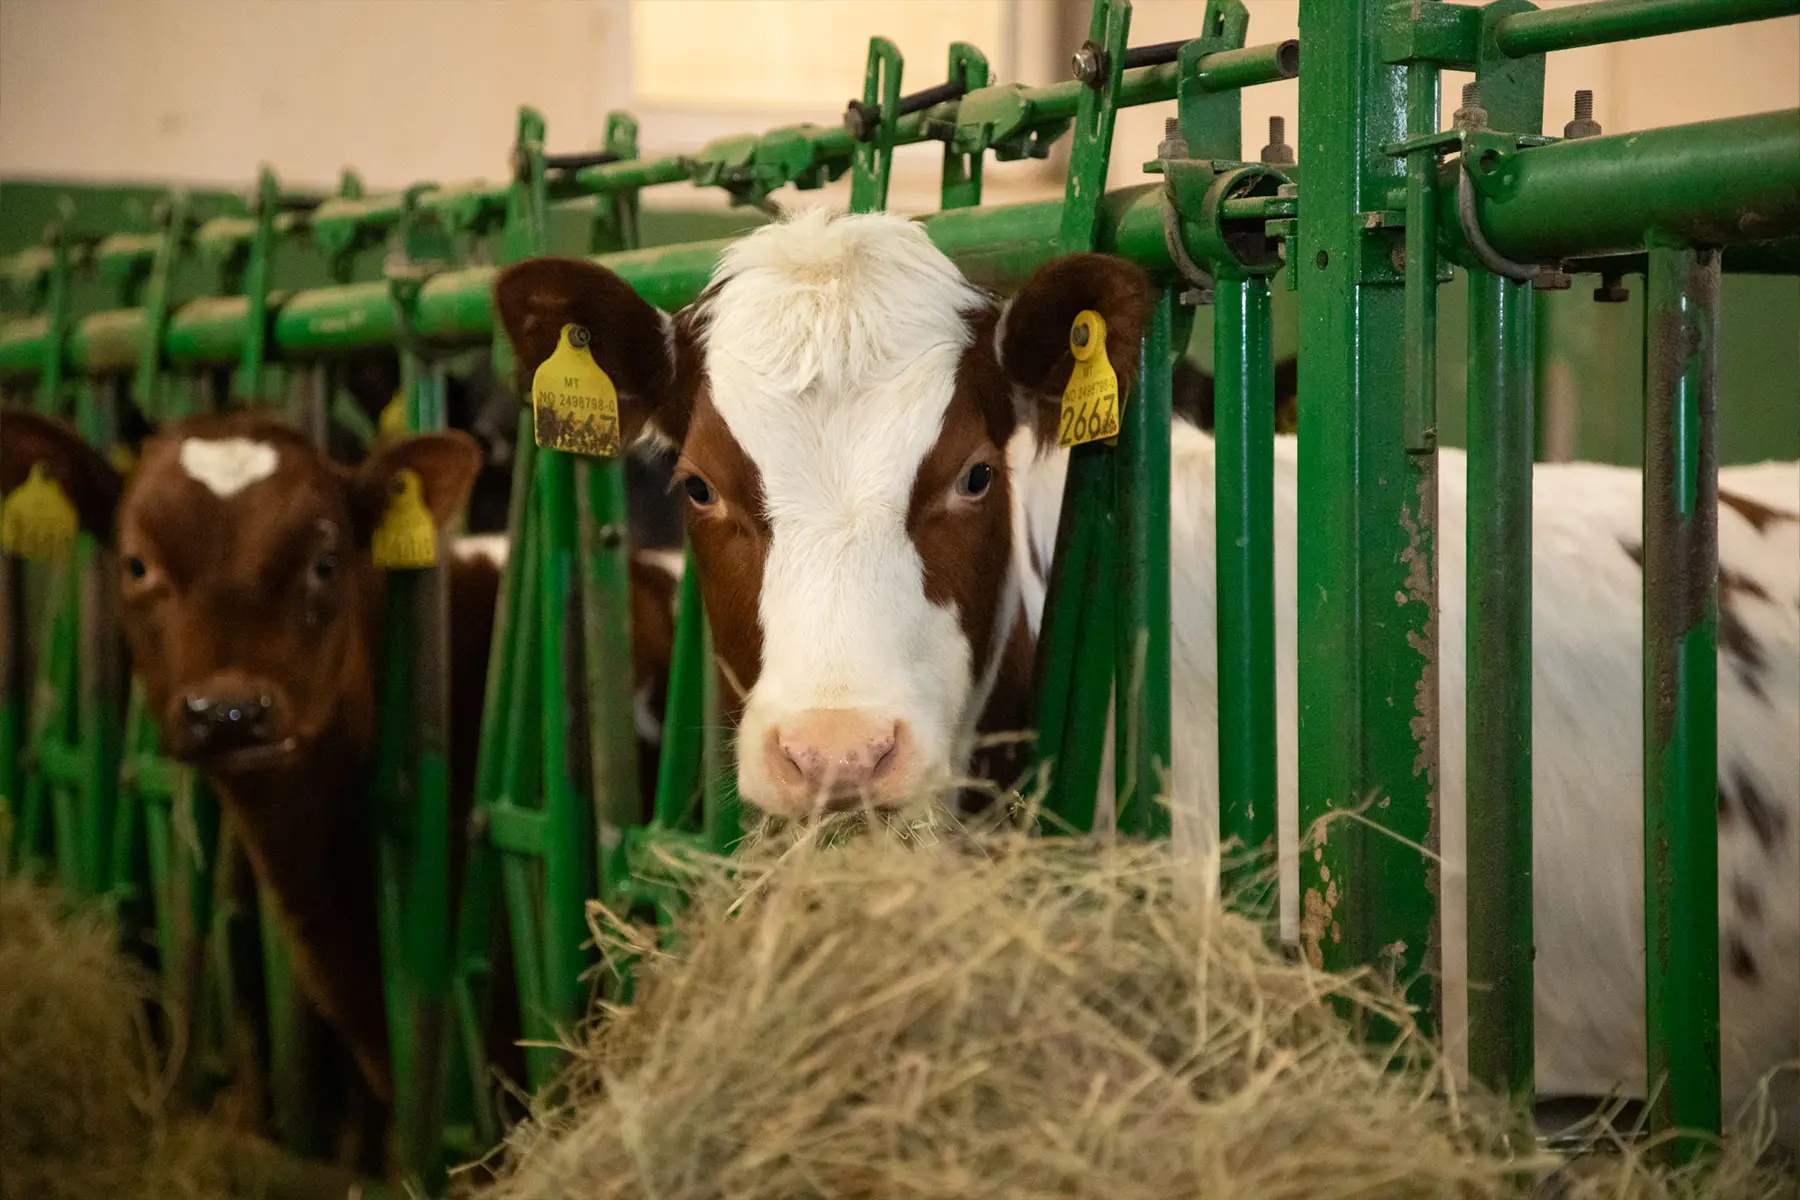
x: 1587, y: 730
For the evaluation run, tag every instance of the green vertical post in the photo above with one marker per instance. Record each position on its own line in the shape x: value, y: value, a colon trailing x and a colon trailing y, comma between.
x: 874, y: 159
x: 568, y: 856
x: 258, y: 269
x: 1368, y: 679
x: 1142, y: 620
x: 98, y: 705
x: 1076, y: 652
x: 1244, y: 498
x: 605, y: 538
x: 1681, y: 718
x: 678, y: 772
x: 961, y: 186
x: 1498, y: 692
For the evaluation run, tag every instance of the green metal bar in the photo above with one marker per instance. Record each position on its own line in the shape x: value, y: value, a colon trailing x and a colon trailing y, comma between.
x: 1709, y: 183
x: 1681, y: 718
x: 1244, y: 498
x: 1604, y: 21
x: 606, y: 612
x: 98, y: 703
x: 1498, y: 698
x: 874, y: 158
x: 257, y: 271
x: 1421, y: 262
x: 1366, y: 543
x: 997, y: 247
x: 1141, y: 684
x: 568, y: 859
x: 961, y: 187
x: 1234, y: 70
x: 149, y: 350
x: 684, y: 721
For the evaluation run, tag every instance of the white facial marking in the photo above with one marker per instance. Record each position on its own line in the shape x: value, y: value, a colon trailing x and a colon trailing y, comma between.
x: 832, y: 355
x: 226, y: 466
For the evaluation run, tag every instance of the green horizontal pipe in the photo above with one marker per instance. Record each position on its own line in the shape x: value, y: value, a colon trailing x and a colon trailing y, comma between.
x: 1252, y: 66
x: 1545, y: 30
x: 996, y: 247
x: 1710, y: 184
x: 629, y: 176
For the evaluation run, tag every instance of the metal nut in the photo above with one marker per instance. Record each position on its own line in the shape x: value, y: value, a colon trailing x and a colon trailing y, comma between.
x: 1471, y: 115
x: 1278, y: 153
x: 1089, y: 64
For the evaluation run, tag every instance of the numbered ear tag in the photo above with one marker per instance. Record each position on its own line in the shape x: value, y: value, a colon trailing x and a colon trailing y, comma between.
x: 406, y: 537
x: 392, y: 421
x: 574, y: 406
x: 38, y: 522
x: 1090, y: 404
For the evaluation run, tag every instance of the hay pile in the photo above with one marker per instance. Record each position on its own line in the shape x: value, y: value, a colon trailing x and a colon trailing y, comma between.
x: 81, y: 1090
x: 1050, y: 1018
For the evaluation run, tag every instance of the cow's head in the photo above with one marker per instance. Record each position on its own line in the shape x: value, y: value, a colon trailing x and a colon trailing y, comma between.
x: 843, y: 401
x: 244, y: 575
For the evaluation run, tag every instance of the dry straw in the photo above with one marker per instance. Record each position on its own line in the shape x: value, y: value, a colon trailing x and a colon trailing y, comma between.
x: 898, y: 1016
x: 83, y: 1089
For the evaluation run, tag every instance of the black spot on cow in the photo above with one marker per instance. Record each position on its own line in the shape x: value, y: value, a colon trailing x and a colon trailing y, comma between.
x: 1748, y: 901
x: 1761, y: 516
x: 1768, y: 823
x: 1738, y: 959
x: 1746, y: 653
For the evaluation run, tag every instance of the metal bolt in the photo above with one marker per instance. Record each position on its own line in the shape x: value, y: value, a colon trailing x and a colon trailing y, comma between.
x: 1612, y: 290
x: 1584, y: 124
x: 1089, y: 64
x: 1550, y: 278
x: 1172, y: 145
x: 1471, y: 115
x: 1278, y: 153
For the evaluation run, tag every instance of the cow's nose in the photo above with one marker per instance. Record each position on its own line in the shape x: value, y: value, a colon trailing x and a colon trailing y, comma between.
x: 837, y: 758
x: 222, y: 722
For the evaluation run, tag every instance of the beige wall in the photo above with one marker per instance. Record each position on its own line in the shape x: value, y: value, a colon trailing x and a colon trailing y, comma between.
x: 405, y: 90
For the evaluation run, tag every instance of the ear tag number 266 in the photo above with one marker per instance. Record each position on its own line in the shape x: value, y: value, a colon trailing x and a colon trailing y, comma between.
x: 574, y: 406
x: 1090, y: 404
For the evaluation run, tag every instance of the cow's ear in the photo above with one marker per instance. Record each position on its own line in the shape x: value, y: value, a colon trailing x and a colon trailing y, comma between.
x: 1033, y: 334
x: 91, y: 483
x: 446, y: 464
x: 643, y: 351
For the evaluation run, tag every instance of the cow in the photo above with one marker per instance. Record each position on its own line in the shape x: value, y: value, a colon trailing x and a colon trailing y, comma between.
x: 867, y: 443
x: 253, y: 614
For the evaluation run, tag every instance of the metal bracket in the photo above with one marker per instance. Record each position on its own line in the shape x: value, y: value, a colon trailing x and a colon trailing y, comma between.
x: 874, y: 156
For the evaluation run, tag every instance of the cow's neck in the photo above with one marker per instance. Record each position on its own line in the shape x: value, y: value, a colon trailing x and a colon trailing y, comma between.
x: 304, y: 831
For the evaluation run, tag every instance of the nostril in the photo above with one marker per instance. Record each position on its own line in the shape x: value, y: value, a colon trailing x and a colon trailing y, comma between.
x: 886, y: 752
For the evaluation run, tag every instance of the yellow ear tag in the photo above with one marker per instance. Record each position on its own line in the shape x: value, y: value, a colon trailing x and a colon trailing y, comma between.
x: 122, y: 458
x: 1090, y: 404
x: 38, y: 522
x: 392, y: 421
x: 406, y: 537
x: 574, y: 407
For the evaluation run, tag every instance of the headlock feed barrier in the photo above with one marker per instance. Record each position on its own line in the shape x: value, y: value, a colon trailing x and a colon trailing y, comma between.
x: 1390, y: 202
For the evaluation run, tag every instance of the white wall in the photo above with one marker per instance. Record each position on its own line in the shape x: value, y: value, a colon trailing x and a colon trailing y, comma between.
x: 203, y: 91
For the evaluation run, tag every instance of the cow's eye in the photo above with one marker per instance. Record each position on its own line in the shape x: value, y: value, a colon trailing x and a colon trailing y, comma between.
x: 698, y: 490
x: 975, y: 481
x: 324, y: 567
x: 135, y: 568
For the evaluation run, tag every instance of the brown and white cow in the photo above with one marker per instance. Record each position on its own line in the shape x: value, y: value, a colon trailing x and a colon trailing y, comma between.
x: 253, y: 613
x: 867, y: 445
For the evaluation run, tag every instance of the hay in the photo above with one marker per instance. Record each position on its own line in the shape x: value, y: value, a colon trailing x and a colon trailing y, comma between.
x: 1049, y: 1019
x: 81, y: 1089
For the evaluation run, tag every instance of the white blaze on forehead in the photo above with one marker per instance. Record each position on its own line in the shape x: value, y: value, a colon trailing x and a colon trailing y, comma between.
x: 226, y: 466
x: 832, y: 354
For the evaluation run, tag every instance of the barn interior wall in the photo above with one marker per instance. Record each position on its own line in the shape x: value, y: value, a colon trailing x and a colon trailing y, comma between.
x: 203, y: 91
